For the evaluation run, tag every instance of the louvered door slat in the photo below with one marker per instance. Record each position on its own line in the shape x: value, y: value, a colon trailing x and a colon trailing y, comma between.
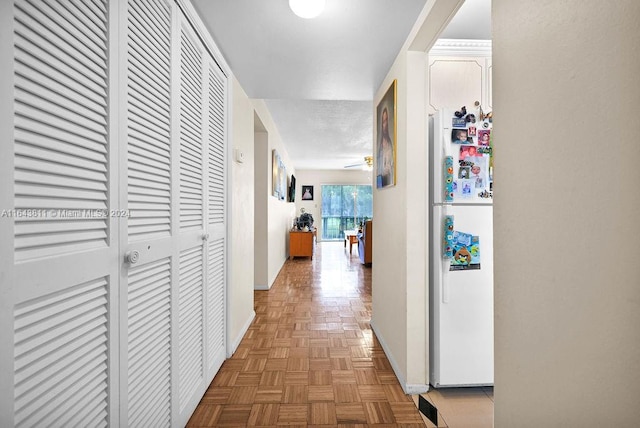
x: 151, y: 184
x: 191, y: 134
x: 84, y: 411
x: 45, y: 27
x: 75, y: 21
x: 60, y: 349
x: 146, y: 175
x: 63, y: 60
x: 149, y: 121
x: 148, y: 141
x: 145, y: 102
x: 190, y: 322
x: 28, y: 130
x: 141, y: 86
x: 44, y: 99
x: 138, y: 47
x: 148, y: 160
x: 159, y: 16
x: 216, y: 145
x: 55, y: 153
x: 149, y: 344
x: 216, y: 303
x: 153, y: 28
x: 61, y: 193
x: 156, y: 18
x: 56, y: 120
x: 149, y: 33
x: 60, y: 130
x: 88, y: 13
x: 93, y: 8
x: 30, y: 141
x: 192, y: 127
x: 37, y: 226
x: 84, y: 19
x: 37, y: 80
x: 82, y: 179
x: 150, y: 198
x: 48, y: 76
x: 192, y: 162
x: 96, y: 4
x: 29, y: 51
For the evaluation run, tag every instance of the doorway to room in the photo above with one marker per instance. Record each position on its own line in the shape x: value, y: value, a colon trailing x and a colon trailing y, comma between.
x: 344, y: 208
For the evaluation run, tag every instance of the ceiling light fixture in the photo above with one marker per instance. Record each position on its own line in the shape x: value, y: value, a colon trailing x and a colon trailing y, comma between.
x: 307, y: 8
x: 368, y: 163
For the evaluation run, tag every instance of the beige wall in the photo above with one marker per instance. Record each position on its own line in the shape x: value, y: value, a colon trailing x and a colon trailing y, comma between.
x: 400, y: 311
x: 317, y: 178
x: 389, y: 275
x: 416, y: 226
x: 400, y: 252
x: 240, y: 286
x: 567, y: 197
x: 280, y: 214
x: 262, y: 166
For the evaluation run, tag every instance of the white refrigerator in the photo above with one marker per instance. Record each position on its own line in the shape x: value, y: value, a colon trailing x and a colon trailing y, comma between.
x: 461, y: 268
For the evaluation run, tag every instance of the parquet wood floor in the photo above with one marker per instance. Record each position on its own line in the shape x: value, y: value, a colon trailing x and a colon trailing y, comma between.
x: 310, y: 358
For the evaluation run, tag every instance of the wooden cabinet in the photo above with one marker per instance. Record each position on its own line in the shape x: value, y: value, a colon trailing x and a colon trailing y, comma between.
x: 300, y: 244
x: 365, y: 243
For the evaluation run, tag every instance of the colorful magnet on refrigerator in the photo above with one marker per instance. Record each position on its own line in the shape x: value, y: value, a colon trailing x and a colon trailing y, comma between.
x: 448, y: 237
x: 459, y: 123
x: 448, y: 179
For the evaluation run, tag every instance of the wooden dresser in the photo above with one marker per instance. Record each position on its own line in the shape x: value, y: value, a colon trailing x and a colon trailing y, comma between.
x: 365, y: 243
x: 300, y: 244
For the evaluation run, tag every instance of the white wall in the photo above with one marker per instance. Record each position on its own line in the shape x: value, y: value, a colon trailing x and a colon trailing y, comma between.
x: 280, y: 214
x: 316, y: 178
x: 240, y: 289
x: 567, y: 197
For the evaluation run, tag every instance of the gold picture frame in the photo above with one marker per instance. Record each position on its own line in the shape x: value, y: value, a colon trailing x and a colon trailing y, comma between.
x: 387, y: 138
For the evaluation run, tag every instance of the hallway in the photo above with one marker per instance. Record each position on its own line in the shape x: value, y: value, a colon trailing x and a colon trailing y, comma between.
x: 310, y: 357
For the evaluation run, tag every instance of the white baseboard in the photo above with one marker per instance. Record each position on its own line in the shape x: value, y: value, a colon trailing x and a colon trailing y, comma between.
x: 236, y: 341
x: 261, y: 287
x: 414, y: 389
x: 410, y: 389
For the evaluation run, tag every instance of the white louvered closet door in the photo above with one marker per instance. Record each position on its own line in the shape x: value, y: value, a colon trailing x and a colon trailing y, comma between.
x: 65, y: 285
x: 149, y: 275
x: 191, y: 259
x: 216, y: 219
x: 118, y: 147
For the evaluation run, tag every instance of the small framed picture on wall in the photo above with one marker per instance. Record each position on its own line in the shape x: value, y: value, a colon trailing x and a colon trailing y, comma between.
x: 307, y: 193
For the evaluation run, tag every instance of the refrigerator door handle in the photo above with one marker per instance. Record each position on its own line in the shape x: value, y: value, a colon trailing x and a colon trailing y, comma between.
x: 446, y: 261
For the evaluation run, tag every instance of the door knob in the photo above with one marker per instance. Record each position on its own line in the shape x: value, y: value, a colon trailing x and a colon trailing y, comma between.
x: 132, y: 257
x: 205, y: 236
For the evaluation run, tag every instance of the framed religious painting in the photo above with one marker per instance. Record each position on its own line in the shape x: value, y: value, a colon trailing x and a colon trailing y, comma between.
x: 386, y: 138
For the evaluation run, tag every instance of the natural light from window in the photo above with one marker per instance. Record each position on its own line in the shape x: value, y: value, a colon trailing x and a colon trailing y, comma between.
x: 344, y: 207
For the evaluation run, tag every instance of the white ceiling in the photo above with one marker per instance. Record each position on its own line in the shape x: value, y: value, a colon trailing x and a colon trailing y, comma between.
x: 318, y: 76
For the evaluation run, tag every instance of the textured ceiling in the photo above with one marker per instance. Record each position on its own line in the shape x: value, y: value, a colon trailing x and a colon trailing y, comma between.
x: 317, y: 76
